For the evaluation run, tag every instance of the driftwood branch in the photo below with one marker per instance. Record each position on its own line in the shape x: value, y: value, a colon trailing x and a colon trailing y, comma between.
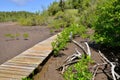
x: 88, y: 49
x: 76, y: 55
x: 66, y: 65
x: 95, y: 69
x: 74, y: 58
x: 79, y: 45
x: 88, y: 52
x: 113, y: 65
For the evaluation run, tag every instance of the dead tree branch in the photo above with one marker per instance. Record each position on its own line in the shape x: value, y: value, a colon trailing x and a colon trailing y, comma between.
x: 74, y: 58
x: 88, y: 49
x: 95, y: 69
x: 113, y: 65
x: 79, y: 45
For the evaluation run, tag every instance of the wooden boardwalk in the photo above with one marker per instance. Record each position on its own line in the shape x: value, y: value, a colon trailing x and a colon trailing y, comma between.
x: 25, y: 63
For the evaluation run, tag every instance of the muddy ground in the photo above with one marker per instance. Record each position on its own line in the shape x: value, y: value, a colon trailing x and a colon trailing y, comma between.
x: 10, y: 47
x: 49, y: 71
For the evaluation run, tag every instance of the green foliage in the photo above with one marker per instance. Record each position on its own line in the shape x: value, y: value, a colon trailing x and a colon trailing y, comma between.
x: 79, y: 71
x: 25, y: 18
x: 53, y: 8
x: 107, y: 26
x: 26, y: 79
x: 27, y: 21
x: 26, y: 35
x: 37, y: 19
x: 63, y: 19
x: 62, y: 5
x: 14, y: 16
x: 12, y: 36
x: 87, y: 12
x: 17, y: 36
x: 64, y: 37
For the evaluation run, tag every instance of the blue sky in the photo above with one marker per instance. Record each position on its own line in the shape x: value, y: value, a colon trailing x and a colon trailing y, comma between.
x: 24, y: 5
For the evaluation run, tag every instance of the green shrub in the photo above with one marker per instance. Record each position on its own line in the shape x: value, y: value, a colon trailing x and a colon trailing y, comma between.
x: 64, y: 37
x: 12, y: 36
x: 107, y: 27
x: 63, y: 19
x: 26, y: 79
x: 27, y: 21
x: 26, y: 35
x: 17, y: 36
x: 53, y: 8
x: 79, y: 71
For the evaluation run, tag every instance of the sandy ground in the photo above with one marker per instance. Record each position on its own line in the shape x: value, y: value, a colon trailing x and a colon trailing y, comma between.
x: 9, y: 47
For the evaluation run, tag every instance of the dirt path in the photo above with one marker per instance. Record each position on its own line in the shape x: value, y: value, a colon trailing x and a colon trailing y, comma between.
x: 12, y: 47
x: 49, y: 71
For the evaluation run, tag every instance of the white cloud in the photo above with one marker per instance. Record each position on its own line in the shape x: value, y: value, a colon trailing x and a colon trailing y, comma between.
x: 20, y: 2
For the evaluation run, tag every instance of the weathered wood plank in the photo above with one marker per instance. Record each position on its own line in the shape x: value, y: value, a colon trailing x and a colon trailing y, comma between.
x: 22, y: 65
x: 9, y: 75
x: 37, y: 54
x: 3, y: 78
x: 9, y: 68
x: 27, y: 59
x: 41, y: 48
x: 22, y: 73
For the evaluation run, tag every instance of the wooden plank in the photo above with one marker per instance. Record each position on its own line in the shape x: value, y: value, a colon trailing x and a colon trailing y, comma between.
x: 41, y: 48
x: 39, y: 51
x: 39, y: 54
x: 9, y: 75
x: 14, y: 68
x: 22, y: 65
x: 4, y: 78
x: 27, y: 59
x: 22, y: 73
x: 34, y: 56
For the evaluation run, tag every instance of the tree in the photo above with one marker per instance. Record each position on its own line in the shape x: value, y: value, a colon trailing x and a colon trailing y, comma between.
x: 62, y: 5
x: 53, y: 8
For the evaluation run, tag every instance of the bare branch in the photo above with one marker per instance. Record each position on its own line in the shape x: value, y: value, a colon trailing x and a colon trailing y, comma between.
x: 96, y: 67
x: 88, y: 49
x: 83, y: 49
x: 114, y: 74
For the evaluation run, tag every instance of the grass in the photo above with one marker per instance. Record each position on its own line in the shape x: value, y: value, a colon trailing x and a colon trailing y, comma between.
x: 16, y: 36
x: 25, y: 35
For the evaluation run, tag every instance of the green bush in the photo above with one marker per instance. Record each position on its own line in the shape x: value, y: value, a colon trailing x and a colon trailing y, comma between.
x: 107, y: 27
x: 26, y: 79
x: 27, y: 21
x: 63, y: 19
x: 25, y: 36
x: 14, y: 16
x: 64, y: 37
x: 53, y: 8
x: 79, y: 71
x: 11, y: 36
